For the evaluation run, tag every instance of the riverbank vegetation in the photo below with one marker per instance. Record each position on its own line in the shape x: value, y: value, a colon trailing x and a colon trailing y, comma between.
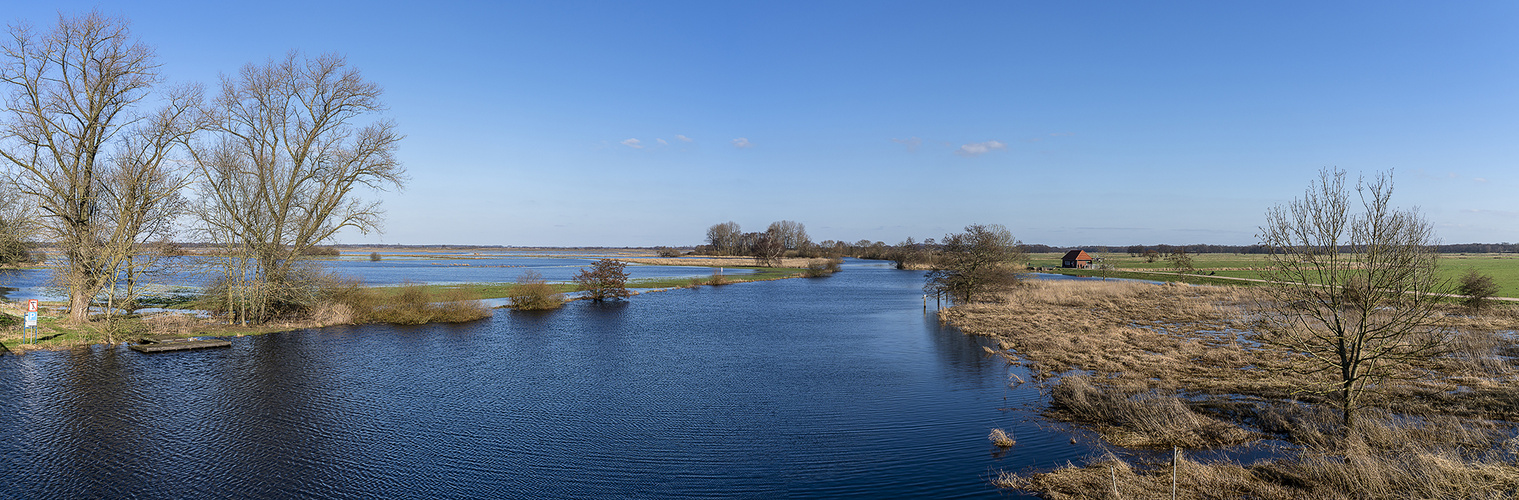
x: 606, y: 279
x: 1353, y: 352
x: 532, y: 293
x: 1155, y: 366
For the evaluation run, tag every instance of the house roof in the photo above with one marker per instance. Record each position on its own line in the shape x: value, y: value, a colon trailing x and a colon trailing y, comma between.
x: 1076, y: 255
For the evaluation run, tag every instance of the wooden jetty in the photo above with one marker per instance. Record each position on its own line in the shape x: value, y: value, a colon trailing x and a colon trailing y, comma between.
x: 150, y: 345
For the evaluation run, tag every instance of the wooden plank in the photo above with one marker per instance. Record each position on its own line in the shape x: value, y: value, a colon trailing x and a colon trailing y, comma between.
x: 180, y: 345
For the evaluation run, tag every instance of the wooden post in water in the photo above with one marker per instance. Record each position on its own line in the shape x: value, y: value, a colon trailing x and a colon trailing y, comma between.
x: 1175, y: 453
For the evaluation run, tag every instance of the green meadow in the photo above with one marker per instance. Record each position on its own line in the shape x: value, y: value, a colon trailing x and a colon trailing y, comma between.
x: 1210, y: 267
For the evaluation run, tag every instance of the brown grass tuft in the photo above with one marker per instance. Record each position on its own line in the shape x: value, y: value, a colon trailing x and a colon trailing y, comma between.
x: 1001, y: 439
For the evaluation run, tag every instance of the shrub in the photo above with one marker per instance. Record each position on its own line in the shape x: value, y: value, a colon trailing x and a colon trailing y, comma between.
x: 717, y: 278
x: 291, y: 298
x: 1477, y: 288
x: 374, y: 256
x: 606, y: 279
x: 667, y: 252
x: 820, y: 268
x: 532, y: 293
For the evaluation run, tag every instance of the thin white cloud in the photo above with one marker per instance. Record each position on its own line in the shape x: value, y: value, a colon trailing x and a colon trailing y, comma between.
x: 979, y: 148
x: 661, y: 142
x: 633, y: 143
x: 682, y: 138
x: 912, y: 143
x: 1480, y: 179
x: 742, y: 142
x: 1497, y: 213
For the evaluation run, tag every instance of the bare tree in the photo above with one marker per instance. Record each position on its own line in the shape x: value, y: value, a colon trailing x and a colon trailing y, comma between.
x: 724, y: 238
x: 1181, y: 260
x: 975, y: 262
x: 140, y: 198
x: 281, y: 175
x: 766, y: 249
x: 1353, y: 290
x: 74, y: 92
x: 792, y: 234
x: 16, y: 224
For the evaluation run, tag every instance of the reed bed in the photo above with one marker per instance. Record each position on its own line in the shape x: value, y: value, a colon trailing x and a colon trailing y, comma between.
x: 1160, y: 366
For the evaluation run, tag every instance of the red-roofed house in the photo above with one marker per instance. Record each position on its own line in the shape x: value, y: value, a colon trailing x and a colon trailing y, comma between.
x: 1077, y: 259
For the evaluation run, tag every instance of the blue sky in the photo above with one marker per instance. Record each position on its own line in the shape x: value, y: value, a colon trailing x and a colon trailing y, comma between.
x: 643, y: 123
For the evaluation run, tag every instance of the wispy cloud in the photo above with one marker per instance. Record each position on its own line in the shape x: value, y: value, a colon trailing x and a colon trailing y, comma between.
x: 1479, y: 179
x: 975, y: 149
x: 912, y: 143
x: 661, y: 142
x: 682, y: 138
x: 1496, y: 213
x: 1052, y: 134
x: 742, y: 143
x: 633, y: 143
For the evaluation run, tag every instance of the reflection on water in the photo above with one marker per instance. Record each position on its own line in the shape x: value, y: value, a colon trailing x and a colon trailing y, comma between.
x: 834, y: 387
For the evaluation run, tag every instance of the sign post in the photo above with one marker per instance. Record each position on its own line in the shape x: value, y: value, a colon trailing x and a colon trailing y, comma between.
x: 29, y: 334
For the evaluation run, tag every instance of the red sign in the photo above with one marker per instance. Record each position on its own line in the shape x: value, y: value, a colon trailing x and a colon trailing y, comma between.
x: 31, y: 305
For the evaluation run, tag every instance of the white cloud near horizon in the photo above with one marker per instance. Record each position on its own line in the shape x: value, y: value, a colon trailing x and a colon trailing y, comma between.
x: 742, y: 143
x: 682, y: 138
x: 661, y: 142
x: 975, y: 149
x: 633, y: 143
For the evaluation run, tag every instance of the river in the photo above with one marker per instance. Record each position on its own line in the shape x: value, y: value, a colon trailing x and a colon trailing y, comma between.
x: 803, y: 388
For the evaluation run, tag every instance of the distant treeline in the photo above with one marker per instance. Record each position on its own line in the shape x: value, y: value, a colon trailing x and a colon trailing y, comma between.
x: 865, y: 249
x: 1255, y: 249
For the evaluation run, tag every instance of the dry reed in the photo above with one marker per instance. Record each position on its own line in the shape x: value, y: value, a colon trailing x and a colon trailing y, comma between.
x: 1001, y: 439
x: 1144, y: 345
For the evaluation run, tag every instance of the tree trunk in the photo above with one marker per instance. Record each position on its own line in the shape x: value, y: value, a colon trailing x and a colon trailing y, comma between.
x: 79, y: 306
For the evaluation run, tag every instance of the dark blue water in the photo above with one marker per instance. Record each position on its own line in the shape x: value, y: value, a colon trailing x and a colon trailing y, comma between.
x: 803, y: 388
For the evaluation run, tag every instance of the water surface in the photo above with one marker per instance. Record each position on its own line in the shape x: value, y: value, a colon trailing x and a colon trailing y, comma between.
x: 805, y: 388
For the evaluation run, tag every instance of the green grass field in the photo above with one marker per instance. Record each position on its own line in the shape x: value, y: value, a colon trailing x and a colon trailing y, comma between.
x: 1503, y: 268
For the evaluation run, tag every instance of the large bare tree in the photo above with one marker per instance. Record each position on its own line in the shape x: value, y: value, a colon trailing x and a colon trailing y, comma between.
x: 982, y: 259
x: 725, y: 238
x: 792, y: 234
x: 73, y: 92
x: 1354, y: 286
x: 287, y: 161
x: 141, y: 198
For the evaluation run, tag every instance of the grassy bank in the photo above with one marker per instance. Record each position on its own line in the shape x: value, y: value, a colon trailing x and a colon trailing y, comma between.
x: 340, y: 305
x: 1503, y: 268
x: 1155, y: 366
x: 404, y: 304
